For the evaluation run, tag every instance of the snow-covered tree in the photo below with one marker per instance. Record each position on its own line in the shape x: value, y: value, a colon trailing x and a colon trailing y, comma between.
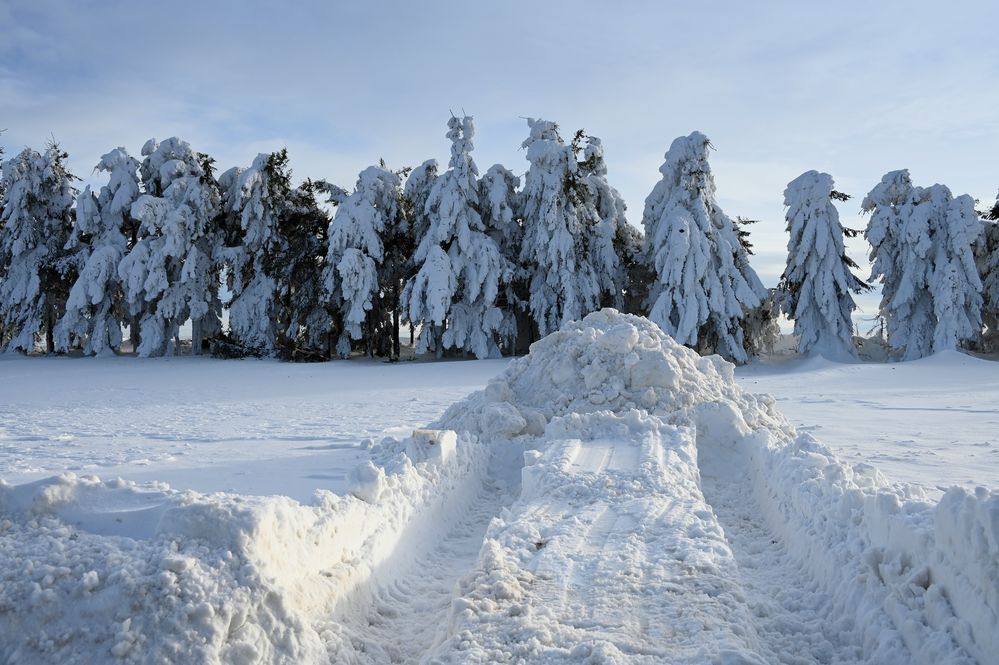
x: 35, y: 225
x: 499, y: 207
x: 899, y: 247
x: 636, y: 274
x: 704, y: 285
x: 988, y: 263
x: 922, y: 250
x: 257, y: 198
x: 351, y: 279
x: 609, y: 240
x: 817, y: 287
x: 453, y: 294
x: 954, y: 282
x: 419, y: 183
x: 564, y: 285
x: 172, y: 275
x: 306, y: 323
x: 95, y: 311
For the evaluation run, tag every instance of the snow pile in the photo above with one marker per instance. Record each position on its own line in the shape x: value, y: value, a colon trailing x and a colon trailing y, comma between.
x: 97, y: 571
x: 617, y: 551
x: 606, y: 362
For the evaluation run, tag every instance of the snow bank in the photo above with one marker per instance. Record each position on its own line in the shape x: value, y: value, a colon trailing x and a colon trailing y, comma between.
x: 923, y: 575
x: 97, y: 571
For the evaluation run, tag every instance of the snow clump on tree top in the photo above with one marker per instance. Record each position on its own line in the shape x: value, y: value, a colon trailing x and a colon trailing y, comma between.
x: 607, y: 362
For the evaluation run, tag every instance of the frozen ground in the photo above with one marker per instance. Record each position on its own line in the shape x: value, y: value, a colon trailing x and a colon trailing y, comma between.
x: 611, y: 498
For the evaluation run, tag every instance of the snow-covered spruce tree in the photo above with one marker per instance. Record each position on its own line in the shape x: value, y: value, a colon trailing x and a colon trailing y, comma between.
x: 453, y: 295
x: 899, y: 248
x: 172, y: 275
x: 419, y: 182
x: 988, y: 269
x: 35, y: 225
x: 298, y: 265
x: 255, y: 199
x: 817, y: 287
x: 499, y: 207
x: 351, y: 279
x: 954, y: 282
x: 704, y: 285
x: 608, y: 242
x: 636, y: 272
x: 922, y: 247
x: 96, y: 312
x: 564, y: 285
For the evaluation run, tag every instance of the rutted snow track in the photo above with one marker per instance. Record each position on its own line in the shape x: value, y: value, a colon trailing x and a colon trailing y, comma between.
x: 794, y: 618
x: 407, y: 607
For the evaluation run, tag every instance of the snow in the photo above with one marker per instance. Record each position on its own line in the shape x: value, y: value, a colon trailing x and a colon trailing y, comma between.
x: 931, y: 422
x: 612, y: 497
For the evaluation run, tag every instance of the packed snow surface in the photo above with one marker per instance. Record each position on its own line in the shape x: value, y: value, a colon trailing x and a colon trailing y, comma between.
x: 610, y: 498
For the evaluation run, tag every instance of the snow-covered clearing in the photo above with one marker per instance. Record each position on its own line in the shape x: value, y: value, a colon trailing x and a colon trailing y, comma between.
x: 933, y: 421
x: 610, y: 498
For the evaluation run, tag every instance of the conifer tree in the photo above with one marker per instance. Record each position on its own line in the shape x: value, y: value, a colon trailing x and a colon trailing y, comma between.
x: 35, y: 225
x: 564, y: 285
x: 499, y: 206
x: 922, y: 247
x: 306, y: 323
x: 419, y: 183
x: 257, y: 198
x: 609, y: 239
x: 171, y: 274
x: 988, y: 261
x: 817, y: 287
x: 95, y: 311
x: 899, y: 247
x: 453, y: 295
x: 351, y: 279
x: 954, y: 281
x: 704, y: 286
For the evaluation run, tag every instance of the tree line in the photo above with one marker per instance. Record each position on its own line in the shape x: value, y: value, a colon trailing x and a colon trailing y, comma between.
x: 467, y: 264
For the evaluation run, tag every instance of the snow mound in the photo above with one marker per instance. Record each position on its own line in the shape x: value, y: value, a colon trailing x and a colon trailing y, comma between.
x: 609, y: 362
x: 111, y: 571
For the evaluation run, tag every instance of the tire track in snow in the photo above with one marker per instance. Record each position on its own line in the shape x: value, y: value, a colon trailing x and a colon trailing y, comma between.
x: 404, y: 617
x: 794, y: 618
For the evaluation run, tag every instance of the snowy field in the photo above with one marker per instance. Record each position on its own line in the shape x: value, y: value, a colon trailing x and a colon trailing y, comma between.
x: 612, y: 498
x: 265, y: 427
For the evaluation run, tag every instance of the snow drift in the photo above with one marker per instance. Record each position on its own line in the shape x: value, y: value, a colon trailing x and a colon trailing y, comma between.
x: 652, y: 490
x: 97, y: 571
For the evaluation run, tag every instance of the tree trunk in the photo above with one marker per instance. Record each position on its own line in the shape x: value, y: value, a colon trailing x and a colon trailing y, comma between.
x: 196, y: 338
x: 49, y: 334
x: 412, y: 335
x: 396, y: 345
x: 133, y: 333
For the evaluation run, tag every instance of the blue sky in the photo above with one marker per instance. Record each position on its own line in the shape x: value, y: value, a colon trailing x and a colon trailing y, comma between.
x: 854, y: 89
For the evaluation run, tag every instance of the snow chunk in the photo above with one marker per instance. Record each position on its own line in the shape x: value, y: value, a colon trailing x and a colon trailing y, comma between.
x: 367, y: 481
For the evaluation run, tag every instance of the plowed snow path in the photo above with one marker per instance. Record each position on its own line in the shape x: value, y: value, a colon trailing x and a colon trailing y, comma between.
x: 794, y: 617
x: 405, y: 611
